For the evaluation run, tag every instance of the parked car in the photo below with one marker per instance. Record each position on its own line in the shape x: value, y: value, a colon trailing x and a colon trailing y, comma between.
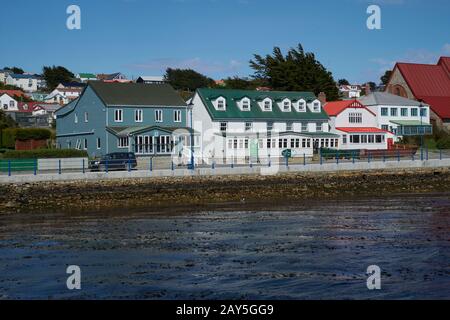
x: 114, y: 161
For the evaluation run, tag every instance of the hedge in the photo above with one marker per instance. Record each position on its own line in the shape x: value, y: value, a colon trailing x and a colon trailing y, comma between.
x: 9, y: 136
x: 44, y: 153
x: 443, y: 143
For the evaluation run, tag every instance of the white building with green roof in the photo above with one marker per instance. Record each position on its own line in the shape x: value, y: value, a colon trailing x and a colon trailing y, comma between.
x: 243, y: 125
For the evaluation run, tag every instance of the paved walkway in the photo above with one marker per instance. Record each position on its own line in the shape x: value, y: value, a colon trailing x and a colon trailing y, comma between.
x: 218, y: 171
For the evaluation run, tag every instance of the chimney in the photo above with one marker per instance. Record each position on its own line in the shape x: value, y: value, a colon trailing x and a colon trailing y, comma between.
x: 368, y: 91
x: 322, y: 98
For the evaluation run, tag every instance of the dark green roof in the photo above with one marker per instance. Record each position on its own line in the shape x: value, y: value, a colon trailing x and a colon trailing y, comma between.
x: 137, y: 94
x: 233, y: 112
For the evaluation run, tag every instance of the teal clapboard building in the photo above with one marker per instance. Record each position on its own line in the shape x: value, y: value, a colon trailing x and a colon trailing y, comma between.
x: 148, y: 119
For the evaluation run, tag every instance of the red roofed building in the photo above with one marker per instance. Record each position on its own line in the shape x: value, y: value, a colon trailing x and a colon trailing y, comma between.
x: 13, y: 93
x: 357, y: 126
x: 427, y: 83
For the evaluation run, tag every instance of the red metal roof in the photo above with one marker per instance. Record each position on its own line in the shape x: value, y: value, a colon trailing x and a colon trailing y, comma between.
x: 336, y: 107
x: 430, y: 83
x: 12, y: 93
x: 440, y: 105
x: 362, y: 130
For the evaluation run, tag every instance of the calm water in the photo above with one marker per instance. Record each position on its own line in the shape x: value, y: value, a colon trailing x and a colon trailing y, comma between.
x: 304, y: 251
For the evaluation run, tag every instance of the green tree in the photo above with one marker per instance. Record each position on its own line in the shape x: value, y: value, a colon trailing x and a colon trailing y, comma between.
x: 5, y: 122
x: 297, y: 71
x: 15, y: 70
x: 385, y: 78
x: 55, y: 75
x: 187, y: 79
x: 243, y: 83
x: 343, y: 82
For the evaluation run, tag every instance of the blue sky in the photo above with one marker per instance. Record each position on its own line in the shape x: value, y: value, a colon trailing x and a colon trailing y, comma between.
x: 219, y: 37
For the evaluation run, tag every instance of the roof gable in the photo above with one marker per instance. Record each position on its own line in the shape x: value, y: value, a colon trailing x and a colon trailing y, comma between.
x: 334, y: 108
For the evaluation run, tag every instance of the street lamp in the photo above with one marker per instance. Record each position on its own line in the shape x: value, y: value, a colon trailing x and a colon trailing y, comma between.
x: 190, y: 108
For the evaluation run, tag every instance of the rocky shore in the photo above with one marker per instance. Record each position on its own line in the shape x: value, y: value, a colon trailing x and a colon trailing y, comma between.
x: 193, y: 193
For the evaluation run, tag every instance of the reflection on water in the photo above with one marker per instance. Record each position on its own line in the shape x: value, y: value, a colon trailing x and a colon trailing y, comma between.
x: 311, y: 250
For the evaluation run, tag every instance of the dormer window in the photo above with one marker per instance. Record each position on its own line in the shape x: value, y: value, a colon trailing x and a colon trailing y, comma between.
x: 316, y: 106
x: 286, y: 105
x: 245, y: 104
x: 302, y: 106
x: 221, y: 104
x: 267, y: 105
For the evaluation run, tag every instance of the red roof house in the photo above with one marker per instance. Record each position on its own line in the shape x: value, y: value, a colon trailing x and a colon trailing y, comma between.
x: 425, y: 82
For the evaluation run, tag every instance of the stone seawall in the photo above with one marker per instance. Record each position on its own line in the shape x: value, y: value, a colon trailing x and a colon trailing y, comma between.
x: 196, y: 192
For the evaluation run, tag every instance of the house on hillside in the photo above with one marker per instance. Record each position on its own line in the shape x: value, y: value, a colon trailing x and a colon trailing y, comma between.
x: 85, y: 77
x: 151, y: 79
x: 8, y: 103
x: 357, y: 126
x: 63, y: 96
x: 4, y: 74
x: 427, y: 83
x: 401, y: 116
x: 149, y: 120
x: 350, y: 91
x: 114, y: 77
x: 27, y: 82
x: 250, y: 125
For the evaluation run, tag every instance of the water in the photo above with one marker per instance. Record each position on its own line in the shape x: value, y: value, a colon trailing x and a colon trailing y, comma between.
x: 313, y: 250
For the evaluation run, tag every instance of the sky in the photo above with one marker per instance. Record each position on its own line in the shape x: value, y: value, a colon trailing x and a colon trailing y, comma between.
x: 219, y: 37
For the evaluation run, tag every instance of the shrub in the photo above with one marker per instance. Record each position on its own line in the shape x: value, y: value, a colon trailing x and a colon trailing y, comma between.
x: 33, y: 134
x: 44, y: 153
x: 443, y: 143
x: 9, y: 138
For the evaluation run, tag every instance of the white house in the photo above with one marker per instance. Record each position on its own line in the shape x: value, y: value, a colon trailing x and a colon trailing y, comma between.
x: 350, y: 91
x: 356, y: 126
x: 151, y: 79
x: 63, y: 95
x: 4, y: 74
x: 8, y: 103
x: 244, y: 125
x: 27, y: 82
x: 401, y: 116
x: 85, y: 77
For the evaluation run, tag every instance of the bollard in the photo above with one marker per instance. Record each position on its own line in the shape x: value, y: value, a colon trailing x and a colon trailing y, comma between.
x: 151, y: 164
x: 9, y: 168
x: 35, y: 167
x: 304, y: 159
x: 213, y: 165
x: 84, y: 171
x: 232, y: 164
x: 440, y: 154
x: 269, y: 164
x: 172, y: 165
x: 398, y: 155
x: 353, y: 157
x: 337, y: 158
x: 59, y: 166
x: 251, y: 165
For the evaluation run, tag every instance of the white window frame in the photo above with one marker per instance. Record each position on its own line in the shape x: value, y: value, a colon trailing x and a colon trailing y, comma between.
x: 85, y: 144
x: 250, y: 127
x: 269, y: 101
x: 86, y: 117
x: 245, y: 103
x: 123, y: 142
x: 118, y: 115
x: 99, y: 144
x: 220, y: 126
x: 316, y: 106
x: 158, y: 115
x: 177, y: 116
x: 76, y: 118
x: 138, y: 115
x: 221, y: 102
x: 286, y: 105
x: 302, y: 106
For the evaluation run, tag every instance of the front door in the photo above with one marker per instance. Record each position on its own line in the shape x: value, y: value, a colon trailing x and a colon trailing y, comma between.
x: 390, y: 143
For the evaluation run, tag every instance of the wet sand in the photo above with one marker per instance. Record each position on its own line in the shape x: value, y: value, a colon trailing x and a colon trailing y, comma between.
x: 298, y: 250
